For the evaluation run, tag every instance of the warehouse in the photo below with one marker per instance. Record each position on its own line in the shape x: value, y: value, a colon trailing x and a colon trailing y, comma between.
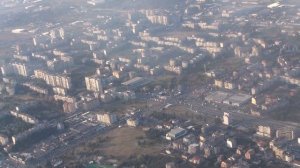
x: 237, y: 100
x: 175, y: 133
x: 136, y: 83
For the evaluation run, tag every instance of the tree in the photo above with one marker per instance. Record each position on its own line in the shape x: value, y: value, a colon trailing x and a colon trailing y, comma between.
x: 48, y: 164
x: 218, y: 121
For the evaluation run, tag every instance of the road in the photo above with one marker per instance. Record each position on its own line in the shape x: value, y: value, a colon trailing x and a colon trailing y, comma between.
x: 195, y: 105
x: 85, y: 135
x: 199, y: 106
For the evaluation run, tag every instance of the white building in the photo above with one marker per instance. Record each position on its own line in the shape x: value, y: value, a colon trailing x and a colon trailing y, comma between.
x: 231, y: 143
x: 3, y: 139
x: 226, y: 119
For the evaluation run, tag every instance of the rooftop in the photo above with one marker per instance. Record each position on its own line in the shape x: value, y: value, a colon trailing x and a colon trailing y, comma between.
x: 136, y: 82
x: 176, y: 131
x: 239, y: 98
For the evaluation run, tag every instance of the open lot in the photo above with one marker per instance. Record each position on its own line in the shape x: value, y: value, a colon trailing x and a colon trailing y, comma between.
x: 121, y: 107
x: 124, y: 143
x: 183, y: 112
x: 120, y: 143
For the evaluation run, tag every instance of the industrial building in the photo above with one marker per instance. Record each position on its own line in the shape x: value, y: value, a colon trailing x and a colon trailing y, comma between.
x: 217, y: 97
x: 285, y: 133
x: 264, y: 131
x: 136, y: 82
x: 231, y: 99
x: 237, y: 100
x: 176, y: 133
x: 107, y: 118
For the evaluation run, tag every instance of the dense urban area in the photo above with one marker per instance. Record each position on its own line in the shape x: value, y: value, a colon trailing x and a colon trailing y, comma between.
x: 149, y: 83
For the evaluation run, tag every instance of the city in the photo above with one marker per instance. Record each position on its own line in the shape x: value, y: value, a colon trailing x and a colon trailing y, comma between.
x: 153, y: 84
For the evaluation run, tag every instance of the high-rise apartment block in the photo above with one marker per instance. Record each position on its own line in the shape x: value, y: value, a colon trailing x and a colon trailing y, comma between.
x: 16, y: 68
x: 94, y: 83
x: 62, y: 81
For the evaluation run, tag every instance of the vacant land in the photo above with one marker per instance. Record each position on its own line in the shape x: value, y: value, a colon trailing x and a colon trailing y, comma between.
x: 121, y: 143
x: 121, y: 107
x: 183, y: 112
x: 124, y: 142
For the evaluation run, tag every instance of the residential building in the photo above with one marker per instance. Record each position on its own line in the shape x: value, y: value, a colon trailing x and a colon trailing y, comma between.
x: 94, y: 83
x: 226, y: 119
x: 25, y: 117
x: 231, y: 143
x: 62, y: 81
x: 3, y: 139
